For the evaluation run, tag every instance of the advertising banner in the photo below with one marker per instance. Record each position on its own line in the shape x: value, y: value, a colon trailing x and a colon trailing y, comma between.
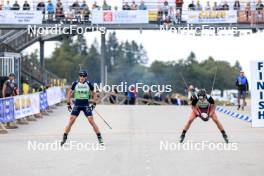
x: 20, y: 17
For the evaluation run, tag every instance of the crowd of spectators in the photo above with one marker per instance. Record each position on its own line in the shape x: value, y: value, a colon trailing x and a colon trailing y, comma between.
x: 168, y: 12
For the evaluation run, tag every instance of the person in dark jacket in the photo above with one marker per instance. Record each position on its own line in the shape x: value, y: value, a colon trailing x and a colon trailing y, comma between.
x: 242, y: 87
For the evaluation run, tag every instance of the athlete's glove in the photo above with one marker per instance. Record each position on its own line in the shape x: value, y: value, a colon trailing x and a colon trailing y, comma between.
x: 93, y: 106
x: 69, y: 107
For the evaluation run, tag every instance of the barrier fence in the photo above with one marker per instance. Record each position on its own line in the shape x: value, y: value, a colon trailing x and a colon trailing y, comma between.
x: 21, y: 106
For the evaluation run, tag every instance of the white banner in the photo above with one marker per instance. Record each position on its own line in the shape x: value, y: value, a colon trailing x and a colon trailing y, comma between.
x: 120, y: 17
x: 20, y: 17
x: 257, y: 93
x: 200, y: 17
x: 55, y: 95
x: 26, y: 105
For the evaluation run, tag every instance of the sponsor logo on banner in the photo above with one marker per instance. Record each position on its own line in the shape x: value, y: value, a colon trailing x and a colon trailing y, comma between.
x: 20, y: 17
x: 120, y: 17
x: 7, y: 110
x: 54, y: 95
x: 198, y: 17
x: 43, y: 101
x: 257, y: 93
x: 26, y: 105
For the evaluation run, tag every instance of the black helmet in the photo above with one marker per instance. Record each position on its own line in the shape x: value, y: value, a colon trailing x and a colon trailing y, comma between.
x: 83, y: 73
x: 201, y: 93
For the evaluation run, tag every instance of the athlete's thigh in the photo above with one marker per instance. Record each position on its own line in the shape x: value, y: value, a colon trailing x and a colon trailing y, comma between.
x: 87, y: 110
x: 76, y: 111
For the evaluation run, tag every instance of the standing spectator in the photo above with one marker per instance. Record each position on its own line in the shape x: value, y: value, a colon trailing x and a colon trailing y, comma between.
x: 41, y: 7
x: 134, y: 6
x: 7, y: 6
x: 178, y: 16
x: 237, y: 5
x: 59, y: 11
x: 77, y: 10
x: 95, y: 6
x: 10, y: 89
x: 126, y: 6
x: 85, y: 11
x: 208, y: 6
x: 178, y: 5
x: 142, y: 6
x: 248, y: 10
x: 215, y: 6
x: 16, y: 6
x: 165, y: 9
x: 191, y: 6
x: 199, y: 6
x: 259, y: 6
x: 50, y: 9
x: 132, y: 95
x: 225, y: 6
x: 26, y: 6
x: 106, y: 6
x: 242, y: 87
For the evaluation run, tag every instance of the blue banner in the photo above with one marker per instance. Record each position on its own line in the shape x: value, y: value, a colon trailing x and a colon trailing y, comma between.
x: 7, y: 110
x: 43, y: 101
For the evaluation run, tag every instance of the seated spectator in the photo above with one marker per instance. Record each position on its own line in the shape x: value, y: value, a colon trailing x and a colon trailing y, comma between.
x: 95, y: 6
x: 191, y: 6
x: 157, y: 96
x: 41, y: 6
x: 237, y: 5
x: 26, y: 6
x: 259, y: 6
x: 134, y: 6
x: 50, y: 10
x: 167, y: 21
x: 165, y: 8
x: 225, y: 6
x: 106, y: 6
x: 126, y: 6
x: 148, y: 97
x: 199, y: 6
x: 142, y: 6
x: 208, y: 6
x: 7, y: 6
x: 16, y: 6
x: 84, y: 5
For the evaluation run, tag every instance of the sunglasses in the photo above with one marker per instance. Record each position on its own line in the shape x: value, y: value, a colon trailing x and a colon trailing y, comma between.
x: 82, y: 76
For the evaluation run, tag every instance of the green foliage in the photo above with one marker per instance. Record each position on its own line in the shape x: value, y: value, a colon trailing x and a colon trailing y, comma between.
x: 127, y: 62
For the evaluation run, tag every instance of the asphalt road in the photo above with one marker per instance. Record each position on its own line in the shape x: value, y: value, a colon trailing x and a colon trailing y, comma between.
x: 134, y: 147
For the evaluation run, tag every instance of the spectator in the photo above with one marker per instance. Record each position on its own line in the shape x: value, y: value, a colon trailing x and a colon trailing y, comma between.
x: 95, y: 6
x: 167, y: 21
x: 242, y: 87
x: 25, y: 87
x: 259, y: 6
x: 159, y: 17
x: 215, y: 6
x: 26, y: 6
x: 10, y: 89
x: 7, y: 6
x: 148, y: 97
x: 157, y: 96
x: 208, y: 6
x: 134, y: 6
x: 199, y: 6
x: 126, y: 6
x: 50, y: 9
x: 237, y: 5
x: 41, y: 6
x: 115, y: 8
x: 106, y: 6
x: 59, y: 11
x: 191, y: 6
x: 178, y: 5
x: 165, y: 9
x: 85, y: 11
x: 77, y: 10
x: 132, y: 95
x: 225, y: 6
x: 16, y: 6
x: 178, y: 16
x: 248, y: 10
x: 220, y: 6
x: 142, y: 6
x: 113, y: 97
